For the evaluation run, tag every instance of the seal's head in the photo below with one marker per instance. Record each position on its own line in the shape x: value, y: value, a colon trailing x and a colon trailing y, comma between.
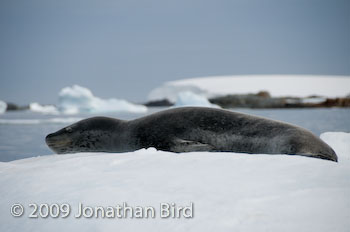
x: 304, y: 143
x: 89, y: 135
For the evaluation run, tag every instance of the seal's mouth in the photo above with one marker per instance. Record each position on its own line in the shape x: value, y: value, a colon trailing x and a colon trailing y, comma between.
x: 57, y: 143
x: 329, y: 156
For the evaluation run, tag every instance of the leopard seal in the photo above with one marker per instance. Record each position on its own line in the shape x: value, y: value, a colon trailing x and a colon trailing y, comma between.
x: 190, y: 129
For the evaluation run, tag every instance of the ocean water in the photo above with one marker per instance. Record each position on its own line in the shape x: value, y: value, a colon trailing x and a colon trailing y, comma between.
x: 22, y: 134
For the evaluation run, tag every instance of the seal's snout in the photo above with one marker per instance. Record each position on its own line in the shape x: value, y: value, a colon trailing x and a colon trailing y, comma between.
x: 51, y: 139
x: 327, y: 154
x: 335, y: 159
x: 330, y: 156
x: 48, y: 137
x: 57, y: 142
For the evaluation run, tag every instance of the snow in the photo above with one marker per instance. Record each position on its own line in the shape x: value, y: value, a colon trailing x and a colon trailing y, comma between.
x: 276, y: 85
x: 3, y: 107
x: 77, y: 99
x: 229, y: 191
x: 191, y: 99
x: 48, y: 109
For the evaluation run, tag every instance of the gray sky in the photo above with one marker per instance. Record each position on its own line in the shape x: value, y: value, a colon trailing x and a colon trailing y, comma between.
x: 124, y: 49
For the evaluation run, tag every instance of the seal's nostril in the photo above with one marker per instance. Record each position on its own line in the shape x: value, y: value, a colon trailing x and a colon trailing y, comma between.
x: 48, y: 136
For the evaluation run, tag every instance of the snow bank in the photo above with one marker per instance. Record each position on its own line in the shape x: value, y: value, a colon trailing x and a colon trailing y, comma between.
x: 192, y: 99
x: 77, y: 99
x: 48, y: 109
x: 229, y: 191
x: 3, y: 107
x: 276, y: 85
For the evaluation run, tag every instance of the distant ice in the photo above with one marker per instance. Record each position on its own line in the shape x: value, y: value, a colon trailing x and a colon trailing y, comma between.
x: 40, y: 121
x: 171, y: 91
x: 3, y: 107
x: 47, y: 109
x: 314, y: 100
x: 230, y: 191
x: 77, y: 99
x: 276, y: 85
x: 191, y: 99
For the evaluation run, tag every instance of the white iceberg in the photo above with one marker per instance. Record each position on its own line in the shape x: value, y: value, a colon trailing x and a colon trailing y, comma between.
x: 3, y: 107
x: 191, y: 99
x: 171, y: 91
x: 47, y: 109
x: 229, y: 191
x: 313, y: 100
x: 77, y: 99
x: 276, y: 85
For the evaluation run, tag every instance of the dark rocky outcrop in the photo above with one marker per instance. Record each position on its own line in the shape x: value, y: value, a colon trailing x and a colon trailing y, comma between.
x: 263, y: 100
x: 338, y: 102
x: 260, y: 100
x: 12, y: 107
x: 159, y: 103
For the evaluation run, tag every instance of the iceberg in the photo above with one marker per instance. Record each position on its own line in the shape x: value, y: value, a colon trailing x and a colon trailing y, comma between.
x: 77, y: 99
x: 3, y: 107
x: 191, y: 99
x: 171, y: 90
x: 40, y: 121
x: 47, y: 109
x: 276, y: 85
x: 313, y: 100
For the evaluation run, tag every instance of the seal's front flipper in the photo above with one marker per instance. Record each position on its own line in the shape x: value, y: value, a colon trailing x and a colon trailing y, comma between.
x: 181, y: 145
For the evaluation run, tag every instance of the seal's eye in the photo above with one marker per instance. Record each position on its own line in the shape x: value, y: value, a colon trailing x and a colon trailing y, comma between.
x: 69, y: 129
